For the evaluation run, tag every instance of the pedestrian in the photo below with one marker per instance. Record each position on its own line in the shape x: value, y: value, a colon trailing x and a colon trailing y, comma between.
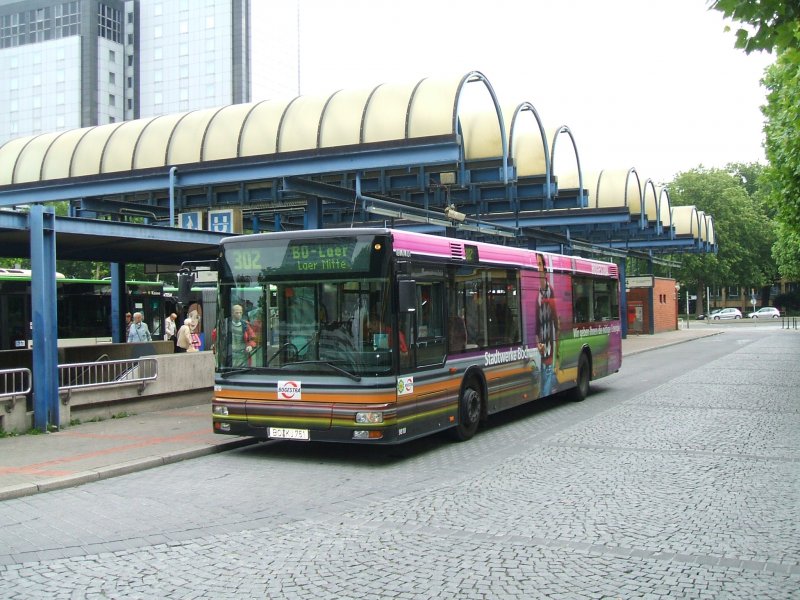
x: 184, y: 337
x: 171, y: 328
x: 240, y: 339
x: 139, y: 332
x: 128, y: 318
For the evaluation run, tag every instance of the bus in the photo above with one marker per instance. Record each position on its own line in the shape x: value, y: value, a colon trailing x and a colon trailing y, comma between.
x: 381, y: 336
x: 83, y: 307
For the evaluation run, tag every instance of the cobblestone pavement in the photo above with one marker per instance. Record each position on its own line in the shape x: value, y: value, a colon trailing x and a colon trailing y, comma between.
x: 688, y: 489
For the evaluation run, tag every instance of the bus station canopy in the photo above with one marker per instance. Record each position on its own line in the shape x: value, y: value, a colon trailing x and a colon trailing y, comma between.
x: 414, y: 152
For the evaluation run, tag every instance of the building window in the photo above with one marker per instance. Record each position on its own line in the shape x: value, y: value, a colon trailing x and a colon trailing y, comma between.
x: 130, y: 82
x: 209, y: 22
x: 66, y: 19
x: 158, y: 53
x: 112, y: 78
x: 183, y: 71
x: 112, y: 101
x: 184, y: 27
x: 158, y: 98
x: 109, y: 23
x: 112, y: 56
x: 158, y: 31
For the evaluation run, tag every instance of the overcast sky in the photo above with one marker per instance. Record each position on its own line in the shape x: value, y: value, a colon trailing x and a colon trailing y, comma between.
x: 651, y: 84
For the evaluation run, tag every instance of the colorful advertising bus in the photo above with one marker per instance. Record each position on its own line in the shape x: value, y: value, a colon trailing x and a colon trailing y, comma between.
x: 382, y: 336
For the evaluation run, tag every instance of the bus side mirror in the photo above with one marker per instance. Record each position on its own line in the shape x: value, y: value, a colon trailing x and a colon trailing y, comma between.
x: 407, y: 297
x: 185, y: 283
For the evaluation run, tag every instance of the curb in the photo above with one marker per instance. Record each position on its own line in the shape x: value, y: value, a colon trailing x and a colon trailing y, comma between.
x: 28, y: 489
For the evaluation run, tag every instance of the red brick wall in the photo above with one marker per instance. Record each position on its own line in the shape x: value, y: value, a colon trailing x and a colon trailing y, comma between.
x: 664, y: 307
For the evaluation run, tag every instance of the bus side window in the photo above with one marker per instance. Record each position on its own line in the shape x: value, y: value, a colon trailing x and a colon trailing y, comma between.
x: 430, y: 323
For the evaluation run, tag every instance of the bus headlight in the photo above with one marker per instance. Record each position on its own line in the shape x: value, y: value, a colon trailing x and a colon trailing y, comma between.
x: 220, y: 410
x: 372, y: 418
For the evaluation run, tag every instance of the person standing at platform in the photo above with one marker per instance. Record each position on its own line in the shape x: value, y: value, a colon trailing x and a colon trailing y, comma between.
x: 139, y: 332
x: 170, y: 328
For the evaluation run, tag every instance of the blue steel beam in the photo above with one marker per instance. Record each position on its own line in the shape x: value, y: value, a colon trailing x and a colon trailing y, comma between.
x: 436, y: 151
x: 45, y: 317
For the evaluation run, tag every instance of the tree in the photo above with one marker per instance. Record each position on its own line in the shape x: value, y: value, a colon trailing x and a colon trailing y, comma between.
x: 774, y: 25
x: 773, y: 22
x: 744, y: 233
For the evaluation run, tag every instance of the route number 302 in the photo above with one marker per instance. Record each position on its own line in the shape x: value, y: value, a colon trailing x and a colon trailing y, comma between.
x: 247, y: 260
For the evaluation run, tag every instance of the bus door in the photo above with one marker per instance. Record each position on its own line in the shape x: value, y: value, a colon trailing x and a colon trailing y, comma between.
x: 422, y: 324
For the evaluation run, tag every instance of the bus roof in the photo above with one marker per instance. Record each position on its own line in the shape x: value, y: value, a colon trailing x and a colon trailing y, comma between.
x: 440, y: 247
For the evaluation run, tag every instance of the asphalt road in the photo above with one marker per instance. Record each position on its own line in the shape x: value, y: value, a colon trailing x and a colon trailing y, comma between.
x: 676, y: 478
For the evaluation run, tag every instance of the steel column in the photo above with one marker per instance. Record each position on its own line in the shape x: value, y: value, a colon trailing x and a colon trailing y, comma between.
x: 45, y: 317
x: 119, y: 304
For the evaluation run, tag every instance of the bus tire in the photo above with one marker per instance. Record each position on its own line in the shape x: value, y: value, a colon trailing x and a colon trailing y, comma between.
x: 584, y: 375
x: 470, y: 405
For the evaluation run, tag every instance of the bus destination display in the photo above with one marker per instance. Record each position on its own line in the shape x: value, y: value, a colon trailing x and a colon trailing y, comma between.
x: 336, y: 255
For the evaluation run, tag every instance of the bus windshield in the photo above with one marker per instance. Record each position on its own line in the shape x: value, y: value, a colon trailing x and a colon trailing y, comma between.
x: 322, y: 308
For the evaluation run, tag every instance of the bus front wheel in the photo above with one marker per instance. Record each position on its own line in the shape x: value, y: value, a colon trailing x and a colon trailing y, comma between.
x: 584, y: 375
x: 469, y: 412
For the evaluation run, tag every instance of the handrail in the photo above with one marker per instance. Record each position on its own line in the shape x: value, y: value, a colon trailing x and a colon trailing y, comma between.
x: 75, y: 376
x: 15, y: 383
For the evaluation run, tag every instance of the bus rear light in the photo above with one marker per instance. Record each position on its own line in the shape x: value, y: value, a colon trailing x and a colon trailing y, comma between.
x: 363, y: 434
x: 372, y: 418
x: 222, y: 426
x: 221, y: 411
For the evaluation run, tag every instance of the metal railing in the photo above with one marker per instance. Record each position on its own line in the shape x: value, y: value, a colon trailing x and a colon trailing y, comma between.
x: 14, y: 383
x: 78, y: 376
x: 789, y: 322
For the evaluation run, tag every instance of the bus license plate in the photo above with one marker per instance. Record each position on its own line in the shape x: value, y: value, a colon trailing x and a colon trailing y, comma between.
x: 288, y: 434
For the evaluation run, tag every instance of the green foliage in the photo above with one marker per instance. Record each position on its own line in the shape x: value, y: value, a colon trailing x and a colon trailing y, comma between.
x: 772, y: 23
x: 743, y: 231
x: 787, y: 252
x: 775, y: 25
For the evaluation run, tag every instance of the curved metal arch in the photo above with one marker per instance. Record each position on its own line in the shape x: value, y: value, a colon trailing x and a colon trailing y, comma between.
x: 19, y: 156
x: 124, y: 125
x: 564, y: 129
x: 171, y: 136
x: 597, y: 189
x: 663, y: 196
x: 411, y: 96
x: 644, y: 217
x: 528, y: 107
x: 135, y: 152
x: 370, y: 96
x: 281, y: 122
x: 77, y: 145
x: 243, y: 126
x: 44, y: 154
x: 205, y: 132
x: 472, y: 77
x: 105, y: 146
x: 322, y: 114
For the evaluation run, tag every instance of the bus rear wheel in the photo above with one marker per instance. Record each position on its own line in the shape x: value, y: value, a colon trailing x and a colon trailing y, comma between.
x: 584, y: 375
x: 470, y: 404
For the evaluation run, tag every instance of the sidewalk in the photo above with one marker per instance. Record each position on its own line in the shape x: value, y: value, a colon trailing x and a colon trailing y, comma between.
x: 92, y: 451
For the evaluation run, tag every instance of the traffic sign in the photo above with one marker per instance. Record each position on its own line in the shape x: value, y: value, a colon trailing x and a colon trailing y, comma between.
x: 227, y: 220
x: 191, y: 220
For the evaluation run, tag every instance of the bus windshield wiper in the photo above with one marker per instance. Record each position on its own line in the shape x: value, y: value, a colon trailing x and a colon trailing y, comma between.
x: 336, y: 368
x: 236, y: 371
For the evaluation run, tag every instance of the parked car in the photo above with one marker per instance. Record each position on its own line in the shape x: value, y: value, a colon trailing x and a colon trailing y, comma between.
x: 727, y: 313
x: 767, y: 312
x: 713, y: 312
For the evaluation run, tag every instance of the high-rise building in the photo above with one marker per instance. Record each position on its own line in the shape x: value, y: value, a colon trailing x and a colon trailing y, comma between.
x: 90, y: 62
